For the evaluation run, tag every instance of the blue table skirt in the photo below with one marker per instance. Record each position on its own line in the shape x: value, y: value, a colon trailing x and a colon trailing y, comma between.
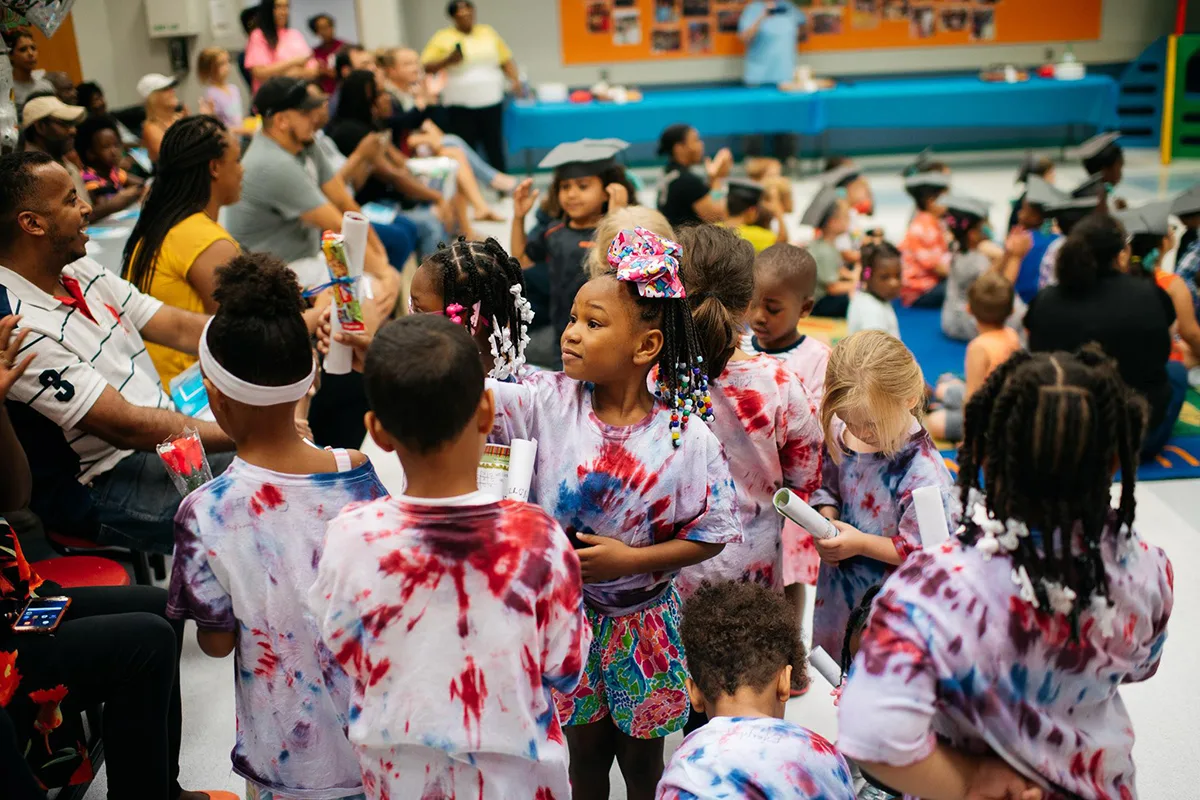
x: 959, y: 102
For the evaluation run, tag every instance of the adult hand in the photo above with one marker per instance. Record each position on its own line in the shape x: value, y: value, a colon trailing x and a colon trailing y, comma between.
x: 618, y: 196
x: 1019, y: 242
x: 847, y: 544
x: 605, y: 558
x: 524, y: 196
x: 720, y: 165
x: 995, y: 780
x: 11, y: 366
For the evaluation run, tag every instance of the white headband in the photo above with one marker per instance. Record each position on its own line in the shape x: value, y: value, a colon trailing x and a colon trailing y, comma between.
x: 251, y: 394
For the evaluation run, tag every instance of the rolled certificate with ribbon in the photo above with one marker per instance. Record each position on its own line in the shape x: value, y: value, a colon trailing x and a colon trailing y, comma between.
x: 931, y: 515
x: 823, y: 663
x: 521, y: 457
x: 347, y: 313
x: 789, y: 505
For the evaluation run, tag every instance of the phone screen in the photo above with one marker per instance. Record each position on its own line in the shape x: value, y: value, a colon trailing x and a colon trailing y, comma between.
x: 42, y: 614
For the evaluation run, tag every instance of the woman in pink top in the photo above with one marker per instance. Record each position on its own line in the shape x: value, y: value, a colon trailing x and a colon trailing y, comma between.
x: 275, y: 49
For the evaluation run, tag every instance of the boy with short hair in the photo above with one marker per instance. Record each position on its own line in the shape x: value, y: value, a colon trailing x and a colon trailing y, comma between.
x: 753, y: 209
x: 454, y: 615
x: 742, y: 653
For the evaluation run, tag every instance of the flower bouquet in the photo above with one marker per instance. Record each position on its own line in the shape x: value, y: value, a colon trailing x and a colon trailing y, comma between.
x: 183, y: 456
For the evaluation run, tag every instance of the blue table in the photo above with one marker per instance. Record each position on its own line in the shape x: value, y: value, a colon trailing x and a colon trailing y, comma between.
x: 911, y: 103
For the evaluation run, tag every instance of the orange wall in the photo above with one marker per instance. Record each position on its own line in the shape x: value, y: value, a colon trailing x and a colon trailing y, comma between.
x: 60, y: 53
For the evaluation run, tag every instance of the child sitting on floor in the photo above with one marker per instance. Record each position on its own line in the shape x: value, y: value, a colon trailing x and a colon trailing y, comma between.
x: 742, y: 655
x: 247, y: 544
x: 749, y: 209
x: 967, y: 219
x: 1033, y: 216
x: 990, y: 300
x: 487, y: 593
x: 871, y: 307
x: 994, y: 664
x: 925, y: 248
x: 829, y: 216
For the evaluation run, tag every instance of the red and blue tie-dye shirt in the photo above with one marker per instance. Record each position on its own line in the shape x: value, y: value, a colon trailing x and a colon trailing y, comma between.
x: 627, y: 482
x: 755, y: 758
x: 454, y: 619
x: 768, y: 425
x: 808, y: 358
x: 874, y: 494
x: 247, y: 545
x: 952, y: 651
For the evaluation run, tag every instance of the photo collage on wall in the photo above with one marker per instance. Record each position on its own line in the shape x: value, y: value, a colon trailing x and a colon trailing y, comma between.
x: 925, y: 18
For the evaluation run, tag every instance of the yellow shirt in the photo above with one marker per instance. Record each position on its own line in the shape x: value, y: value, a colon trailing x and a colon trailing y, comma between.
x: 478, y: 81
x: 182, y: 246
x: 757, y: 235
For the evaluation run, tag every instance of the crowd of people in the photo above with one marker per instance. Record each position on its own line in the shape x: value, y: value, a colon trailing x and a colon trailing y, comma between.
x: 439, y: 642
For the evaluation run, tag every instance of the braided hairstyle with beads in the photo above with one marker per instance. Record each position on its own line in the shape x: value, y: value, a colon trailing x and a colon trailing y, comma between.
x: 682, y: 376
x: 1048, y: 429
x: 484, y: 273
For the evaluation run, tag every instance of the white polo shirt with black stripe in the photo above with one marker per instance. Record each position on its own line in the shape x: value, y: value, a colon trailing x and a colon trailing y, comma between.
x: 75, y: 358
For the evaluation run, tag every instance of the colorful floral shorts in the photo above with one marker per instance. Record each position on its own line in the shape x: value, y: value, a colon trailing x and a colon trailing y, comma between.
x: 636, y: 671
x: 801, y: 562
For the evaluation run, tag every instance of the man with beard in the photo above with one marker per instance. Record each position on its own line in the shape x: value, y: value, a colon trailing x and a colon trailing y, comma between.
x: 89, y: 409
x: 49, y: 127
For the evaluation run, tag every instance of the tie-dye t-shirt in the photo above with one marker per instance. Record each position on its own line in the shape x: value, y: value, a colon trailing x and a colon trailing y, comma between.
x: 951, y: 650
x: 454, y: 619
x: 768, y: 425
x: 874, y: 494
x: 247, y: 546
x: 755, y: 758
x: 627, y: 482
x: 807, y: 358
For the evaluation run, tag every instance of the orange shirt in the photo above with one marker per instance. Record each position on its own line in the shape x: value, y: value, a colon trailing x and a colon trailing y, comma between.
x: 922, y: 250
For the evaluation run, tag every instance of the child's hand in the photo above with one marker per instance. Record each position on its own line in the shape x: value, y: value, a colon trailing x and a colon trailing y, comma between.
x: 358, y: 342
x: 847, y: 544
x: 605, y: 558
x: 995, y: 780
x: 524, y: 196
x: 618, y: 196
x: 1019, y: 242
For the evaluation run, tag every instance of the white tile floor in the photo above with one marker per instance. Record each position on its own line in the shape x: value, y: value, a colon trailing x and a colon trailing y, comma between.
x: 1164, y: 709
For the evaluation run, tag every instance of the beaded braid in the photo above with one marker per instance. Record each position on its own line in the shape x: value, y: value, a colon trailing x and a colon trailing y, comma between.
x: 1049, y: 427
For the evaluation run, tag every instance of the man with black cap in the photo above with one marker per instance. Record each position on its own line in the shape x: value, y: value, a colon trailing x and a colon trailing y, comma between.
x: 48, y: 126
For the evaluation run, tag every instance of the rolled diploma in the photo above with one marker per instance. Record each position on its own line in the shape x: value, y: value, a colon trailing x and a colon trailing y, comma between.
x: 804, y: 515
x: 931, y: 515
x: 823, y: 663
x: 354, y: 235
x: 521, y: 458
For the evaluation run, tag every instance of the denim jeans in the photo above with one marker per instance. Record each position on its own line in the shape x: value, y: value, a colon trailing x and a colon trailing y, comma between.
x: 1156, y: 439
x: 399, y: 238
x: 430, y: 230
x: 485, y: 173
x: 135, y: 502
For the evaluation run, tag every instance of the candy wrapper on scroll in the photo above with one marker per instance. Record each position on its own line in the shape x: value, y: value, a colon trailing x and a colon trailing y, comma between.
x: 183, y: 456
x: 348, y: 312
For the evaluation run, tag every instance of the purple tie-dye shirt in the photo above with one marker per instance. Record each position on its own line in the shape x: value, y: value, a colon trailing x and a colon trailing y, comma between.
x: 247, y: 545
x: 951, y: 650
x: 455, y: 619
x: 768, y: 426
x: 874, y: 494
x: 755, y: 758
x: 627, y: 482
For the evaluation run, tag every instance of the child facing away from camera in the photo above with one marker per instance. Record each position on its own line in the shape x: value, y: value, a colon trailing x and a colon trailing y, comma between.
x: 829, y: 216
x: 992, y: 666
x: 877, y: 453
x: 642, y: 489
x: 990, y: 300
x: 247, y: 544
x: 974, y: 254
x: 487, y: 592
x: 871, y: 306
x: 743, y: 656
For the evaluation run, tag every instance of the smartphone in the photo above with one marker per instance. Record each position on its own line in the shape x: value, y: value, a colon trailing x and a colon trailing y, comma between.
x: 42, y: 615
x: 777, y: 8
x: 458, y: 48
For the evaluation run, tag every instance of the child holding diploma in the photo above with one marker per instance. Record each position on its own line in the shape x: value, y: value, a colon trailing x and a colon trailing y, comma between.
x: 993, y: 664
x: 876, y: 454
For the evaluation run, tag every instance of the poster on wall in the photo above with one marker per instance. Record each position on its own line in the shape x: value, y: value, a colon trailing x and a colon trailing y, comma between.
x: 605, y: 31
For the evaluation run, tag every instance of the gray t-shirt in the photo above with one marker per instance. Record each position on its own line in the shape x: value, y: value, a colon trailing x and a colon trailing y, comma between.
x: 22, y: 89
x: 957, y: 322
x: 277, y: 188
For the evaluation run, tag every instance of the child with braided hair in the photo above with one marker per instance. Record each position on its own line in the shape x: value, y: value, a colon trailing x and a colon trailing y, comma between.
x: 1013, y: 640
x: 641, y: 487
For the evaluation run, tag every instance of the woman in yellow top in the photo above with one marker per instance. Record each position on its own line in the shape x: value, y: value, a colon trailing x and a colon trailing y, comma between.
x: 476, y: 61
x: 177, y: 245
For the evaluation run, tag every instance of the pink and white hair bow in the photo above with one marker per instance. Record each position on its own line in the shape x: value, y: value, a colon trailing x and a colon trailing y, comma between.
x: 649, y: 260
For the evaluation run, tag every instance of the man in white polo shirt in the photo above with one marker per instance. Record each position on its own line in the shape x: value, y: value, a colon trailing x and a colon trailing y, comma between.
x: 91, y: 376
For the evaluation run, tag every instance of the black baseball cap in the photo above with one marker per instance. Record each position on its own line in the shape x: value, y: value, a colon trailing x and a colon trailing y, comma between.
x: 285, y: 94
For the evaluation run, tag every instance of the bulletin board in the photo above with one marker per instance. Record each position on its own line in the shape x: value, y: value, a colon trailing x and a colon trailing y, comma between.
x: 607, y: 31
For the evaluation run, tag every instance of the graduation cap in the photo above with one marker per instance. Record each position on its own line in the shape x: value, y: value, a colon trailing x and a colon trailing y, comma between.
x: 821, y: 207
x: 1097, y: 146
x: 963, y: 206
x: 1041, y: 193
x: 1090, y: 187
x: 927, y: 180
x: 922, y: 163
x: 584, y: 158
x: 742, y: 195
x: 1187, y: 203
x: 1153, y: 219
x: 1029, y: 163
x: 840, y: 177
